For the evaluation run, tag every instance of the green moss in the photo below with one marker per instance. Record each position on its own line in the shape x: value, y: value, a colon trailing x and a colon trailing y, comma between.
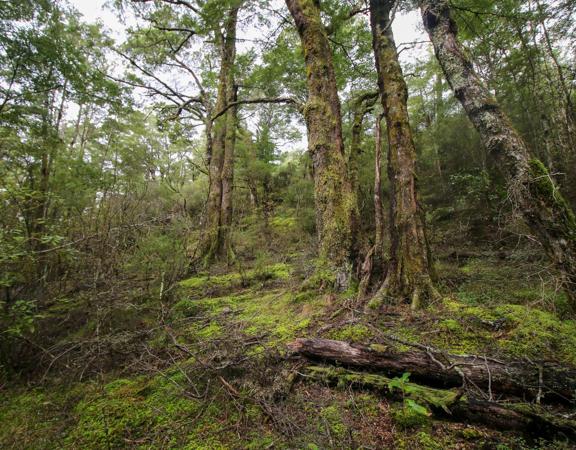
x: 332, y: 417
x: 451, y: 325
x: 202, y: 283
x: 543, y: 186
x: 351, y: 333
x: 516, y: 330
x: 537, y: 334
x: 407, y: 418
x: 428, y: 442
x: 283, y: 224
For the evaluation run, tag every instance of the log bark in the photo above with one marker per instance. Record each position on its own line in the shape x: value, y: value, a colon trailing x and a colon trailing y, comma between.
x: 531, y: 187
x: 334, y: 200
x: 451, y: 404
x: 540, y: 380
x: 409, y: 274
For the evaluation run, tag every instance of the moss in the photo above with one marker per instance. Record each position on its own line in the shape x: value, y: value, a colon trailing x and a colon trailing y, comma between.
x: 351, y: 333
x: 283, y: 224
x: 434, y: 398
x: 543, y: 186
x: 450, y: 325
x: 537, y: 334
x: 407, y: 418
x: 332, y: 417
x: 203, y: 282
x: 428, y: 442
x: 517, y: 330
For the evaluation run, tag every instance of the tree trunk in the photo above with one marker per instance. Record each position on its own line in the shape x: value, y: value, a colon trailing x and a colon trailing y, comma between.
x: 335, y: 201
x: 212, y: 246
x: 378, y: 207
x: 409, y: 272
x: 228, y: 175
x: 539, y: 380
x: 361, y: 106
x: 531, y: 188
x: 374, y: 260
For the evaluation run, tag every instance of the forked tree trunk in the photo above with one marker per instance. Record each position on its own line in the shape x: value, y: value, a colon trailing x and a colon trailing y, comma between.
x: 531, y: 188
x: 212, y: 246
x: 334, y: 199
x: 409, y: 272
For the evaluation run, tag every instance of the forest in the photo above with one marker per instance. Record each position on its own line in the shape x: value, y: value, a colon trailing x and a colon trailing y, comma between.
x: 288, y: 224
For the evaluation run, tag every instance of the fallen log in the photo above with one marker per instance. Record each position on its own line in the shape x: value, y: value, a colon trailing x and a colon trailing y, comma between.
x: 452, y: 405
x: 527, y: 380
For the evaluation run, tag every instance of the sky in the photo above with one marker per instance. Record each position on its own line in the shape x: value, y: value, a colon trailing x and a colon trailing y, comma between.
x: 406, y: 28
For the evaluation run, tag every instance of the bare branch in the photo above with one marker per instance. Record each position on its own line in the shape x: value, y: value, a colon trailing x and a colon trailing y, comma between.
x: 287, y: 100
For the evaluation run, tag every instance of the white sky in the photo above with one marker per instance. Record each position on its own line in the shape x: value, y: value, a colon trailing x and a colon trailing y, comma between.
x: 407, y: 28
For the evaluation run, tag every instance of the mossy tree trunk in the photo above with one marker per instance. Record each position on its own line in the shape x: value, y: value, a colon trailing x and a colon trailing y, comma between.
x: 361, y: 106
x: 216, y: 242
x: 531, y: 187
x: 378, y: 206
x: 334, y: 199
x: 408, y: 275
x: 228, y: 174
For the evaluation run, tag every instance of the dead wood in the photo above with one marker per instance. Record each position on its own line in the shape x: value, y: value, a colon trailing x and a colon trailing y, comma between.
x: 529, y: 380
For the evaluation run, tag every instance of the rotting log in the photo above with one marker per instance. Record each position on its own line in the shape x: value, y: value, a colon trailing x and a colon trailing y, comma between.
x: 451, y: 404
x: 541, y: 381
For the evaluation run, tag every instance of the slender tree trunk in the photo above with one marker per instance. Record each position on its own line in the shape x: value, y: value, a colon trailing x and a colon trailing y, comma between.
x: 212, y: 246
x: 409, y: 272
x: 228, y: 175
x: 374, y: 260
x: 335, y: 201
x: 531, y: 187
x: 362, y: 105
x: 378, y: 207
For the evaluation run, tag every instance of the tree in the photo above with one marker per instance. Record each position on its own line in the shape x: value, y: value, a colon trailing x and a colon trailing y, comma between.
x: 531, y: 188
x: 221, y: 157
x: 409, y: 274
x: 333, y: 194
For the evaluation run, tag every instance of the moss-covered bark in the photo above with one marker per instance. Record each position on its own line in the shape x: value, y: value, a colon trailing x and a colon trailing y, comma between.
x: 335, y: 201
x: 228, y: 173
x: 531, y: 188
x: 452, y: 404
x: 216, y: 242
x: 361, y: 106
x: 409, y: 272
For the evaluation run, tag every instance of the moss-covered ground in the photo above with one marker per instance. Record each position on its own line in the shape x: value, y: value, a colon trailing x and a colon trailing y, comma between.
x: 207, y: 366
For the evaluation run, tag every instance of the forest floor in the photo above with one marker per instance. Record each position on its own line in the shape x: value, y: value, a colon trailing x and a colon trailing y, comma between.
x: 207, y: 366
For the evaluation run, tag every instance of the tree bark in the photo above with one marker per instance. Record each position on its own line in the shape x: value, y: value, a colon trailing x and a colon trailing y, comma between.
x: 228, y: 175
x: 213, y: 245
x: 378, y: 207
x: 541, y: 380
x: 410, y: 268
x: 452, y: 405
x: 334, y: 199
x: 531, y: 187
x: 362, y: 105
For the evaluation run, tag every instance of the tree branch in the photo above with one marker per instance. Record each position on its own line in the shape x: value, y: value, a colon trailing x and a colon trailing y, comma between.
x: 287, y: 100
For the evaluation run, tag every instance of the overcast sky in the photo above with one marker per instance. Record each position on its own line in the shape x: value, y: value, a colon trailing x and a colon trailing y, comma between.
x: 406, y: 27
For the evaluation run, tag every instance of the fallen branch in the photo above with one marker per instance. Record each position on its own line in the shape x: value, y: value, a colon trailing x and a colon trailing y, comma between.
x: 530, y: 380
x: 453, y: 405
